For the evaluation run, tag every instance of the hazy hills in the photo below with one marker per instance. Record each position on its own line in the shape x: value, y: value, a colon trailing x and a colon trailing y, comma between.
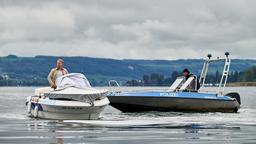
x: 34, y: 70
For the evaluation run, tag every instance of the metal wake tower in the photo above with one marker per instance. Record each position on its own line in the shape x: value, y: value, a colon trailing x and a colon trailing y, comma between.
x: 225, y: 72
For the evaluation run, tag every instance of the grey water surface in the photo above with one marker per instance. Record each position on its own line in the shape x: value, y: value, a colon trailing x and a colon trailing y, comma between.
x: 117, y: 127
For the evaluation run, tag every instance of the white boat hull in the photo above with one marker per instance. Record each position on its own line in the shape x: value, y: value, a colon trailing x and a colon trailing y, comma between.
x: 65, y: 110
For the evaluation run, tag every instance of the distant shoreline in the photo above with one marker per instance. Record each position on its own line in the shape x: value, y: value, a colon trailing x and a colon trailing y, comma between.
x: 242, y: 84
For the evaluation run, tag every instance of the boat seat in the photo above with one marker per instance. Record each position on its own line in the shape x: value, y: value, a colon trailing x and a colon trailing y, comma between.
x: 187, y: 83
x: 176, y: 84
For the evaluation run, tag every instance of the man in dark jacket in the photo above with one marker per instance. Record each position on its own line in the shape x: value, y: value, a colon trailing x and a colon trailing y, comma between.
x: 194, y: 85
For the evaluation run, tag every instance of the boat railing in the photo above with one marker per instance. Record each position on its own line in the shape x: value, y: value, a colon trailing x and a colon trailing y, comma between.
x: 178, y: 86
x: 164, y: 89
x: 113, y: 81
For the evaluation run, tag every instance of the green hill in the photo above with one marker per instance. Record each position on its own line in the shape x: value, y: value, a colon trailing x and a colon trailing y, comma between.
x: 34, y: 70
x: 249, y: 75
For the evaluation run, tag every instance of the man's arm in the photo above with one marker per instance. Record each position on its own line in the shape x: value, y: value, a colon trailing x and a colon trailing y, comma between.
x: 50, y: 78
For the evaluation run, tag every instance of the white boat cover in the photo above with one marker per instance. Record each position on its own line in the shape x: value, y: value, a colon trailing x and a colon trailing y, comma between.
x: 75, y: 86
x: 72, y: 80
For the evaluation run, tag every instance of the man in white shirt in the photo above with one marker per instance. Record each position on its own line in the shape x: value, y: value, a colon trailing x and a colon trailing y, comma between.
x: 56, y: 72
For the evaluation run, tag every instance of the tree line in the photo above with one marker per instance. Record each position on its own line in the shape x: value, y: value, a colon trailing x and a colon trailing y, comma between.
x: 155, y: 79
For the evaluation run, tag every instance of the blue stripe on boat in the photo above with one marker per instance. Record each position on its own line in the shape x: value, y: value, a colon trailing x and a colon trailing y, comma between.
x: 193, y: 95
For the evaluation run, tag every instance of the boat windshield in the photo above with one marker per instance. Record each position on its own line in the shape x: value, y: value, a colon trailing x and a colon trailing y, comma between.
x: 77, y: 80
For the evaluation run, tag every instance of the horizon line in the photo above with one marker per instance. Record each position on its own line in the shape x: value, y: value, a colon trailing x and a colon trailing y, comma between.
x: 55, y: 56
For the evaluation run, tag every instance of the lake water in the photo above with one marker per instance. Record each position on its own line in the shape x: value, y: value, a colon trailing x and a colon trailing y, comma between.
x: 117, y: 127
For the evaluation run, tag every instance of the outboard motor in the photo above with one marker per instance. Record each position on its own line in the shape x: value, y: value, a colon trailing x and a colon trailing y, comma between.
x: 234, y: 95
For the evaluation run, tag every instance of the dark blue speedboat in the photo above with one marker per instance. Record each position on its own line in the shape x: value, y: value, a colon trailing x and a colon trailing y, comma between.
x: 179, y: 97
x: 172, y: 101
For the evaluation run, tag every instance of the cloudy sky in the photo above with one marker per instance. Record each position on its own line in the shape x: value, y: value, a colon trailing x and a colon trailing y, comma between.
x: 139, y: 29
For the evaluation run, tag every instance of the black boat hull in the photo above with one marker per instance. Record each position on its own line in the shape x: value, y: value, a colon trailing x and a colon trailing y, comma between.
x: 140, y: 104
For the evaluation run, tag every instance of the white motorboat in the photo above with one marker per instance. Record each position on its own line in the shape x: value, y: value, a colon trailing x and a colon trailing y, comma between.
x: 73, y: 99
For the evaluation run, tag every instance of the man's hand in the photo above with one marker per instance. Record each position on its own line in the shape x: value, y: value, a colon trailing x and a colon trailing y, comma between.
x: 54, y: 86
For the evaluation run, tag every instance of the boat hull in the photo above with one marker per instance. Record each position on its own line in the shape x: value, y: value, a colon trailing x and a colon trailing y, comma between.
x: 66, y: 110
x: 140, y: 103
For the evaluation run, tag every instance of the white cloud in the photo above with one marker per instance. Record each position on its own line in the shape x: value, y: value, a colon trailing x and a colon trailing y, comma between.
x: 128, y: 29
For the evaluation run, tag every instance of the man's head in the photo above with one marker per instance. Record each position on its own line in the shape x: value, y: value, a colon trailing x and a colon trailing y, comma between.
x: 60, y: 63
x: 185, y: 72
